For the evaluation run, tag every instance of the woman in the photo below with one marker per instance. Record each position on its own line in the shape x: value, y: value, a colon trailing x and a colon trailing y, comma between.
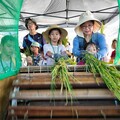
x: 87, y: 32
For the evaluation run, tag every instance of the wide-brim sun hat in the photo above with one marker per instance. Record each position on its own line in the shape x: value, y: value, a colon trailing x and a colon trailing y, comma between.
x: 87, y: 16
x: 35, y: 44
x: 64, y: 33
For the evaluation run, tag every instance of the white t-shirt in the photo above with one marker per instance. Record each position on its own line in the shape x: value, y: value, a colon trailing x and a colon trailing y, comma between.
x: 69, y: 48
x: 6, y: 66
x: 24, y: 59
x: 54, y: 49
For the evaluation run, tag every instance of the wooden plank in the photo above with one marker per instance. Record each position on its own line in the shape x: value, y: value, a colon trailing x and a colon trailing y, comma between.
x: 66, y: 111
x: 75, y: 102
x: 72, y: 68
x: 77, y: 94
x: 48, y: 68
x: 82, y: 79
x: 47, y: 77
x: 80, y: 74
x: 101, y: 118
x: 46, y: 82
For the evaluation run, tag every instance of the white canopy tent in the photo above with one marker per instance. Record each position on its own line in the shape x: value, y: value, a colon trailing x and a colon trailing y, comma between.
x: 66, y: 14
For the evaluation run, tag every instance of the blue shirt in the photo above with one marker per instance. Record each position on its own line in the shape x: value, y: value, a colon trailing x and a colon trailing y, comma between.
x: 97, y: 38
x: 37, y: 37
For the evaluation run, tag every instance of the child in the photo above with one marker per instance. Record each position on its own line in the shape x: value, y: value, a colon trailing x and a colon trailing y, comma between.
x: 114, y: 45
x: 36, y: 58
x: 54, y: 49
x: 92, y: 49
x: 32, y: 36
x: 7, y: 55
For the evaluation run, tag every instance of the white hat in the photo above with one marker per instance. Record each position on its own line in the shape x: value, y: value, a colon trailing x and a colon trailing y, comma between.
x: 35, y: 44
x: 87, y: 16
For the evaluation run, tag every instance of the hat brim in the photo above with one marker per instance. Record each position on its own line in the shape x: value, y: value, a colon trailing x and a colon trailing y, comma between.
x: 64, y: 33
x: 97, y: 26
x: 35, y: 46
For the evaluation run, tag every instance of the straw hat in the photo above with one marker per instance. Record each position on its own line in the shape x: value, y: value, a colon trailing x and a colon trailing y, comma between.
x: 35, y: 44
x: 87, y: 16
x: 64, y: 33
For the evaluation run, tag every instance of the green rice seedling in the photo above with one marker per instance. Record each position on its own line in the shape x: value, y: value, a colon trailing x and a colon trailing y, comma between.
x: 60, y: 72
x: 109, y: 74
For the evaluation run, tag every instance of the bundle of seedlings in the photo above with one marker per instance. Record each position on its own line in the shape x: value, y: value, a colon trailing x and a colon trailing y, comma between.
x: 60, y: 72
x: 109, y: 74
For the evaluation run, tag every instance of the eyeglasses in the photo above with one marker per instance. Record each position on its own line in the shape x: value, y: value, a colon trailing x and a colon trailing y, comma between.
x: 89, y: 27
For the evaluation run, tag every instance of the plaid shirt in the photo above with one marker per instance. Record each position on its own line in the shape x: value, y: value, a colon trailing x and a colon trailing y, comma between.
x: 36, y: 59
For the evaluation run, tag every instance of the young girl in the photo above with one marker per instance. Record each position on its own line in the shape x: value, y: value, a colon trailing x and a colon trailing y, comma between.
x: 92, y: 49
x: 36, y: 58
x: 54, y: 49
x: 7, y: 55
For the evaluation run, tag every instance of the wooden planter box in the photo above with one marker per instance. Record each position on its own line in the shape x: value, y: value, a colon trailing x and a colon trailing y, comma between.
x: 35, y: 100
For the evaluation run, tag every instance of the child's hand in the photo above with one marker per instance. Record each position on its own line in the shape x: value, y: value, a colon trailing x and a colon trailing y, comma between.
x: 29, y: 60
x: 57, y: 56
x: 49, y: 54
